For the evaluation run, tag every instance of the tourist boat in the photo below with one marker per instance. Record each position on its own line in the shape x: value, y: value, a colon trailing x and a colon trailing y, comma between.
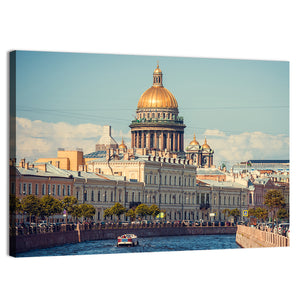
x: 128, y: 239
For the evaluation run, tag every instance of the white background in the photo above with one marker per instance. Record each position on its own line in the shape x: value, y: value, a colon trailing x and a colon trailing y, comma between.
x: 217, y: 29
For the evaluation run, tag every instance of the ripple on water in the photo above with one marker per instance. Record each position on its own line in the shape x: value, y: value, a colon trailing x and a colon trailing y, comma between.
x: 152, y: 244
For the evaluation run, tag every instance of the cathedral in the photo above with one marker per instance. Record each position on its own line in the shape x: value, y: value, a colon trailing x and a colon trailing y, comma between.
x: 159, y: 127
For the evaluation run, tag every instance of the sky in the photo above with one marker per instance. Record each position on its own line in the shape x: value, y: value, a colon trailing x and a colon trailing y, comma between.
x: 63, y: 100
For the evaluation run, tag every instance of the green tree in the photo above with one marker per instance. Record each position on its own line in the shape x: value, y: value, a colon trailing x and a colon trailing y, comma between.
x: 77, y: 212
x: 235, y: 213
x: 282, y: 214
x: 50, y: 206
x: 88, y: 210
x: 108, y: 212
x: 142, y: 210
x: 32, y: 206
x: 118, y: 209
x: 14, y: 208
x: 153, y: 210
x: 131, y: 214
x: 68, y: 204
x: 274, y: 200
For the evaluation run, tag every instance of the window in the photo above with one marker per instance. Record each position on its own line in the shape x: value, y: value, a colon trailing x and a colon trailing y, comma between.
x: 29, y: 188
x: 77, y: 195
x: 36, y: 189
x: 24, y: 189
x: 92, y: 196
x: 146, y: 179
x: 64, y: 190
x: 69, y: 190
x: 20, y: 189
x: 58, y: 190
x: 49, y: 189
x: 43, y: 189
x: 175, y: 180
x: 99, y: 196
x: 111, y: 196
x: 53, y: 189
x: 179, y: 180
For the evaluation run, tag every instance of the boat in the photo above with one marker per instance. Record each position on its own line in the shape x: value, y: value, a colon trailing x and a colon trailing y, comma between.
x: 127, y: 239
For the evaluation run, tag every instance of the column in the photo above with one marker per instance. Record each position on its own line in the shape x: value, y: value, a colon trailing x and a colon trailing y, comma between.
x: 168, y: 141
x: 132, y: 139
x: 178, y: 141
x: 174, y: 141
x: 155, y: 140
x: 148, y: 140
x: 182, y: 141
x: 162, y: 140
x: 143, y: 140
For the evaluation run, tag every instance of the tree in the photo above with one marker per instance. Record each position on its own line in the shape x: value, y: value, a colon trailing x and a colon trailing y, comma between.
x: 118, y: 210
x: 77, y: 212
x: 68, y: 204
x: 131, y: 214
x: 235, y: 213
x: 274, y: 200
x: 31, y: 205
x: 107, y: 212
x: 258, y: 212
x: 50, y: 206
x: 282, y: 214
x: 226, y: 212
x: 14, y: 207
x: 154, y: 210
x: 142, y: 210
x: 88, y: 210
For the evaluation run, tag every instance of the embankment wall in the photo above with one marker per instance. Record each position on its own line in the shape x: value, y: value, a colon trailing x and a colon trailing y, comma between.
x: 250, y: 237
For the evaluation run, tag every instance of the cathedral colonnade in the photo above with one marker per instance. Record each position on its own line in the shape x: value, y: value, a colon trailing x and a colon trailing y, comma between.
x: 158, y: 139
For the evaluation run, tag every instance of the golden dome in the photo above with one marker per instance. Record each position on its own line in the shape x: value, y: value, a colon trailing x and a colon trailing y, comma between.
x: 122, y: 145
x: 157, y: 96
x: 194, y: 142
x: 157, y: 70
x: 205, y: 145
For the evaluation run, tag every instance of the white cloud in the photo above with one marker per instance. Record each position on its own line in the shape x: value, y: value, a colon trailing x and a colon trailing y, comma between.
x: 36, y: 139
x: 245, y: 146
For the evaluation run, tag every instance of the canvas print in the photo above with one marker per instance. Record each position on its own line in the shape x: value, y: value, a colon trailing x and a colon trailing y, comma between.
x: 129, y: 153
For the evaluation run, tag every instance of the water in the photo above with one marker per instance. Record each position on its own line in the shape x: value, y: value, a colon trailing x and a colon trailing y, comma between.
x: 150, y: 244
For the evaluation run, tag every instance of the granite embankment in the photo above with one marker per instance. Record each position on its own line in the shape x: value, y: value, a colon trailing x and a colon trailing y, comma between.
x: 250, y: 237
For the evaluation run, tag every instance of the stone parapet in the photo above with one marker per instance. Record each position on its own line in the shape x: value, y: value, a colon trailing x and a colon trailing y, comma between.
x: 250, y: 237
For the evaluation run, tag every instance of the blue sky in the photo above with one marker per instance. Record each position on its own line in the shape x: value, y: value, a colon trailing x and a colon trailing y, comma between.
x: 222, y: 99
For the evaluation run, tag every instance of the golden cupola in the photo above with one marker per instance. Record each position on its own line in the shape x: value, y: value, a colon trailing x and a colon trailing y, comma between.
x: 205, y: 145
x: 122, y: 145
x: 157, y: 96
x: 194, y: 141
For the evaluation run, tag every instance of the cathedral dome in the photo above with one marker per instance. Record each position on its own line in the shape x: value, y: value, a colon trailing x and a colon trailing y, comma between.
x: 205, y: 145
x: 122, y: 145
x: 194, y: 142
x: 157, y: 96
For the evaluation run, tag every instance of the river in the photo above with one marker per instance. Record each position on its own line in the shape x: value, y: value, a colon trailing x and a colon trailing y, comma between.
x: 150, y: 244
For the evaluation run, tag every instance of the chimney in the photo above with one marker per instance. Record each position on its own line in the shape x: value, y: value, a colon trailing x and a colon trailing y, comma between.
x: 27, y: 165
x: 57, y: 164
x: 22, y: 163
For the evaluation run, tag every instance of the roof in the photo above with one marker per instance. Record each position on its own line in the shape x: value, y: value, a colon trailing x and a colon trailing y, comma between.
x: 223, y: 183
x: 209, y: 171
x: 95, y: 154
